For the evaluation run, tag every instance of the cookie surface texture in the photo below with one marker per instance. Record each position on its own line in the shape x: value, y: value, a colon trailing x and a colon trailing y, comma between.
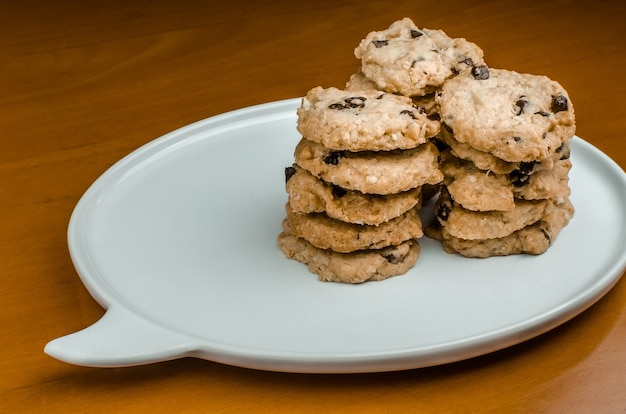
x: 371, y: 172
x: 356, y: 267
x: 308, y: 194
x: 473, y: 225
x: 475, y: 189
x: 515, y: 117
x: 414, y: 62
x: 533, y: 239
x: 363, y: 120
x: 326, y: 233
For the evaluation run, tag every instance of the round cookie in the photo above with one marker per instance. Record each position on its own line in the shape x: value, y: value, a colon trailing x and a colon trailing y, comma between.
x: 326, y: 233
x: 545, y: 184
x: 515, y: 117
x: 355, y: 267
x: 367, y: 120
x: 533, y: 239
x: 475, y: 189
x: 414, y: 62
x: 371, y: 172
x: 488, y: 162
x: 359, y: 82
x: 479, y: 190
x: 473, y: 225
x: 308, y: 194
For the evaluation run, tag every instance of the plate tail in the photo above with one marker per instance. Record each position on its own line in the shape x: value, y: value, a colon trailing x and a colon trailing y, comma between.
x: 120, y: 338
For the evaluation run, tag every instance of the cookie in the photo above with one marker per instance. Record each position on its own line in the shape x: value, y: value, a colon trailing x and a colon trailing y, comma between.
x: 513, y: 116
x: 489, y: 162
x: 479, y: 190
x: 371, y: 172
x: 544, y: 184
x: 414, y: 62
x: 533, y: 239
x: 326, y: 233
x: 359, y: 82
x: 472, y: 225
x: 355, y: 267
x: 308, y: 194
x: 475, y: 189
x: 363, y: 121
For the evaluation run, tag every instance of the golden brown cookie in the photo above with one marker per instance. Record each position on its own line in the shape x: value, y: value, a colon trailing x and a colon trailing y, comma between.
x: 309, y: 194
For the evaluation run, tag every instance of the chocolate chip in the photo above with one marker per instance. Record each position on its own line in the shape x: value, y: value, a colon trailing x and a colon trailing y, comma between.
x: 332, y: 158
x: 443, y: 211
x: 527, y: 166
x: 417, y: 60
x: 542, y: 113
x: 468, y: 61
x: 480, y: 72
x: 337, y: 106
x: 393, y: 258
x: 564, y: 151
x: 289, y: 172
x: 407, y: 112
x: 559, y: 103
x: 519, y: 106
x: 355, y: 102
x: 380, y: 43
x: 517, y: 139
x: 519, y: 178
x: 352, y: 102
x: 339, y: 191
x: 416, y: 33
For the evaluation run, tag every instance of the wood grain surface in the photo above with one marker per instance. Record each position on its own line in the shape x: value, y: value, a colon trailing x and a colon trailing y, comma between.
x: 83, y: 83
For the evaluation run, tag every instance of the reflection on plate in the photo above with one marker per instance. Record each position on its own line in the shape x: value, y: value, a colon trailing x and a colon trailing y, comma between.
x: 178, y: 242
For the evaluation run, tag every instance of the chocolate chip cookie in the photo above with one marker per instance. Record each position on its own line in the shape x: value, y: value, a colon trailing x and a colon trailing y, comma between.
x: 513, y: 116
x: 371, y: 172
x: 533, y: 239
x: 326, y: 233
x: 308, y: 194
x: 355, y: 267
x: 363, y: 121
x: 410, y: 61
x: 473, y: 225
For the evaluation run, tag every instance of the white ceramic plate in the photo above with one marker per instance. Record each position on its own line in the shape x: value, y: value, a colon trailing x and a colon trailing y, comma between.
x: 178, y: 242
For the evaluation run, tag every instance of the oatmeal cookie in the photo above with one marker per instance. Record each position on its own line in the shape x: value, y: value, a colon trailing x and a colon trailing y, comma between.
x: 326, y: 233
x: 533, y: 239
x: 308, y: 194
x: 414, y: 62
x: 371, y: 172
x: 355, y: 267
x: 488, y: 162
x: 363, y: 120
x: 515, y: 117
x: 472, y: 225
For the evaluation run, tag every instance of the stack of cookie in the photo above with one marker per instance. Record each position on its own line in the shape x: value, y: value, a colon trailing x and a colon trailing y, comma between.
x: 506, y: 162
x: 367, y: 159
x: 355, y: 187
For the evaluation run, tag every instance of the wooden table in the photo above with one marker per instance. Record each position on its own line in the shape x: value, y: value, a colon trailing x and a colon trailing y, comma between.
x: 84, y: 83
